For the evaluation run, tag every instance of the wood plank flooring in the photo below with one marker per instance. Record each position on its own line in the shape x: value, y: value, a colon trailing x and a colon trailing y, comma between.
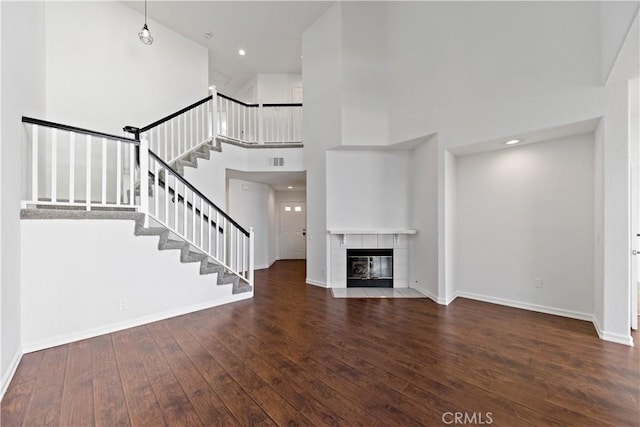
x: 295, y: 356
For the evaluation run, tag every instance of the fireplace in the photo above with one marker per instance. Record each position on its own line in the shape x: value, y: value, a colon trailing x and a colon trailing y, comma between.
x: 369, y: 268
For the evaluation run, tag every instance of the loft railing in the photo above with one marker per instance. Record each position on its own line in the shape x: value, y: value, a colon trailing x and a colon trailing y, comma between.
x: 67, y: 166
x: 77, y: 167
x: 177, y: 134
x: 259, y: 123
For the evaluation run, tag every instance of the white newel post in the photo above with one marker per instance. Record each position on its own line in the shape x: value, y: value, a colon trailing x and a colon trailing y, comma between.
x: 260, y: 123
x: 34, y: 163
x: 213, y: 127
x: 144, y: 179
x: 251, y: 256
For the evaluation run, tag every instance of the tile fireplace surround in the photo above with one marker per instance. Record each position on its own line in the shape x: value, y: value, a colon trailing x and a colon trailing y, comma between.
x: 341, y: 240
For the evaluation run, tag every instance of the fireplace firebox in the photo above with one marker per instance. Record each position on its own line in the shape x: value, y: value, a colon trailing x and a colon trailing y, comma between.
x: 369, y: 268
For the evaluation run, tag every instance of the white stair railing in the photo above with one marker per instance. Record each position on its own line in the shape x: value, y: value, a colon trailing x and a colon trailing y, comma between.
x: 174, y: 136
x: 70, y: 166
x: 172, y: 201
x: 66, y: 166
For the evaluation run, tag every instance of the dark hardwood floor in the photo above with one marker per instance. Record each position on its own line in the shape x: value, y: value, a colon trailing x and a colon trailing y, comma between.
x: 295, y: 356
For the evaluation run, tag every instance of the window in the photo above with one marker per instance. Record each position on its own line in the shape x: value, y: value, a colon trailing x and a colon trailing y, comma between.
x: 298, y: 209
x: 287, y: 208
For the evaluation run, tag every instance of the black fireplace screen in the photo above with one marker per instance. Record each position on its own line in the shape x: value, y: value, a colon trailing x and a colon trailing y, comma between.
x: 370, y: 268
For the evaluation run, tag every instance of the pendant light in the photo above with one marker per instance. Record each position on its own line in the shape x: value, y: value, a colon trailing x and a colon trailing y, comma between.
x: 145, y: 34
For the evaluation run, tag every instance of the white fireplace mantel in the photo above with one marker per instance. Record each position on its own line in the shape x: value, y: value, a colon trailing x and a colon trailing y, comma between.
x: 372, y: 231
x: 396, y: 233
x: 340, y: 240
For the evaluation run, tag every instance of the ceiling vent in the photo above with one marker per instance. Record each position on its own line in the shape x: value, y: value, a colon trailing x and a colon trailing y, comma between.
x: 276, y: 161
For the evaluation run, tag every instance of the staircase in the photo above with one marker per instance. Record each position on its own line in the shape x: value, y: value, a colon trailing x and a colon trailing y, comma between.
x: 190, y: 159
x: 188, y: 254
x: 79, y: 170
x: 142, y: 185
x: 167, y: 240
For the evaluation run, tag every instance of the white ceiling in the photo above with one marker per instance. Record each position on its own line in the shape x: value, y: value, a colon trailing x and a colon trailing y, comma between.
x: 269, y: 31
x: 279, y: 181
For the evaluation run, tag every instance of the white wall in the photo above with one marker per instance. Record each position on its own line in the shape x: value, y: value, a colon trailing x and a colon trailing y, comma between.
x: 100, y: 76
x: 22, y: 87
x: 276, y: 88
x: 210, y: 175
x: 368, y: 189
x: 365, y: 114
x: 474, y: 71
x: 598, y: 226
x: 448, y: 224
x: 424, y: 217
x: 248, y: 93
x: 322, y: 77
x: 525, y: 213
x: 615, y: 20
x: 84, y: 294
x: 273, y: 215
x: 270, y: 88
x: 616, y: 220
x: 251, y: 205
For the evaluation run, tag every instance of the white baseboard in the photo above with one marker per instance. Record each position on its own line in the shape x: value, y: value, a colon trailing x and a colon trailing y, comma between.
x: 430, y: 295
x: 316, y: 283
x: 597, y: 326
x: 114, y: 327
x: 427, y: 293
x: 450, y: 300
x: 8, y: 376
x: 527, y: 306
x: 264, y: 266
x: 617, y: 338
x: 611, y: 337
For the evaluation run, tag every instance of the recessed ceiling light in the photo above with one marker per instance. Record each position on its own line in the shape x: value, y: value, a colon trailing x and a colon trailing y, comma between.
x: 290, y: 187
x: 513, y: 141
x: 241, y: 52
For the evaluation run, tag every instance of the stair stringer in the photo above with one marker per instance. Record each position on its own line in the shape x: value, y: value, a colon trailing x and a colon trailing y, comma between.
x: 189, y: 254
x: 201, y: 151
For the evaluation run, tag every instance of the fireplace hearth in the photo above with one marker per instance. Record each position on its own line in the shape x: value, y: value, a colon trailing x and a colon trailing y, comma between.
x: 370, y: 268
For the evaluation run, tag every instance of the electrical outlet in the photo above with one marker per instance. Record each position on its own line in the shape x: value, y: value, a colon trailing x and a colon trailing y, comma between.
x: 124, y: 304
x: 538, y: 282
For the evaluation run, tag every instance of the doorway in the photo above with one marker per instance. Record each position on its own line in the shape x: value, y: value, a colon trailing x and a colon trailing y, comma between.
x: 293, y: 230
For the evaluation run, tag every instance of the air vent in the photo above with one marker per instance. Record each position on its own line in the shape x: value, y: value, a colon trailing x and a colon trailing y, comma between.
x: 276, y: 161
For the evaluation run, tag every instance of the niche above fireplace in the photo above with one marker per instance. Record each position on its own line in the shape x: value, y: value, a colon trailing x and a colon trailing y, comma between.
x: 369, y: 268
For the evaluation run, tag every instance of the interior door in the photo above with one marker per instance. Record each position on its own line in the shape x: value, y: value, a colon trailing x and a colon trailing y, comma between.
x: 293, y: 230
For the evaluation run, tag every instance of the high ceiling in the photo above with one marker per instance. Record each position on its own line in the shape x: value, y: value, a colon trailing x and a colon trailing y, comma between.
x: 269, y: 32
